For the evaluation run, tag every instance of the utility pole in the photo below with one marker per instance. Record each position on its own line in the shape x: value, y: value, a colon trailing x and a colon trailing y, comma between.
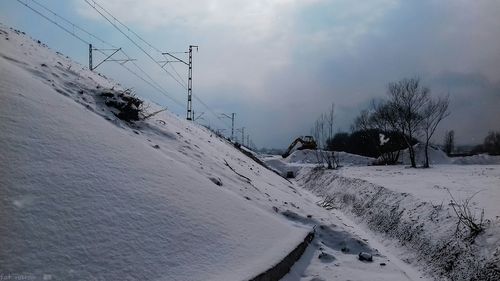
x: 190, y: 83
x: 248, y: 140
x: 232, y: 123
x: 108, y: 58
x: 242, y: 130
x: 189, y: 112
x: 90, y: 57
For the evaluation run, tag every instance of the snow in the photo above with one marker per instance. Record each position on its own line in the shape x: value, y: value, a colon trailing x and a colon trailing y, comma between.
x: 87, y: 197
x: 418, y: 225
x: 84, y: 195
x: 432, y: 185
x: 436, y: 156
x: 480, y: 159
x: 309, y: 158
x: 408, y: 211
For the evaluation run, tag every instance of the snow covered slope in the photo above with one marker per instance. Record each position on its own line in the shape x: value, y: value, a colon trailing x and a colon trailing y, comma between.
x: 404, y: 206
x: 309, y: 158
x: 436, y: 156
x: 86, y: 196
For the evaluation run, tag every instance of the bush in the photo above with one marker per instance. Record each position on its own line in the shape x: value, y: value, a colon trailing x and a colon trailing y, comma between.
x: 129, y: 107
x: 467, y: 219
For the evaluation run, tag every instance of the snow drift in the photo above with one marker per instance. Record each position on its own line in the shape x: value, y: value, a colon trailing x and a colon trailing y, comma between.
x: 437, y: 156
x: 309, y: 158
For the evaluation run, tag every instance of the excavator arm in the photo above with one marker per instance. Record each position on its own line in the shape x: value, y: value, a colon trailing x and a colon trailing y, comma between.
x: 307, y: 143
x: 289, y: 150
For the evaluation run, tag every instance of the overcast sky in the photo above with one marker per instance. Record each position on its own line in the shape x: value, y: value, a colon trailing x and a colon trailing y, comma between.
x: 279, y: 64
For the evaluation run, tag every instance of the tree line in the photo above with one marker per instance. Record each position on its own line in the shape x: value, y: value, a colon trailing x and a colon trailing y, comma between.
x: 408, y: 114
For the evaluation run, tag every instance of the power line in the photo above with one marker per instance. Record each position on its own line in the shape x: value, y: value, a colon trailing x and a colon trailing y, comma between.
x: 141, y: 48
x: 122, y: 24
x: 152, y: 83
x: 53, y: 21
x: 140, y: 38
x: 158, y: 88
x: 72, y: 24
x: 128, y: 37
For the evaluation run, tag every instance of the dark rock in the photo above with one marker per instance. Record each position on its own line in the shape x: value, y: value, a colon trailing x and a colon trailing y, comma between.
x: 364, y: 256
x: 217, y: 181
x: 324, y: 257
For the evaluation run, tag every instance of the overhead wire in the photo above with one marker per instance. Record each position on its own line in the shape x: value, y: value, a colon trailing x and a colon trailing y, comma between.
x: 130, y: 39
x: 151, y: 83
x: 72, y: 24
x: 141, y: 39
x: 95, y: 5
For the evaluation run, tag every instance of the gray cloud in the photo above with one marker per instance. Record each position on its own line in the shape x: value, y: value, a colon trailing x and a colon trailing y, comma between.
x: 280, y: 65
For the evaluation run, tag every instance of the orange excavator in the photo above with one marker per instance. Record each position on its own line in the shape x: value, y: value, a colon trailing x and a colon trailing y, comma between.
x: 305, y: 142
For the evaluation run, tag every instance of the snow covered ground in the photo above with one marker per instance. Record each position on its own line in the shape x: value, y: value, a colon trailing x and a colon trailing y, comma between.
x: 437, y: 156
x: 409, y: 210
x: 421, y: 228
x: 432, y: 185
x: 308, y: 158
x: 83, y: 198
x: 86, y: 196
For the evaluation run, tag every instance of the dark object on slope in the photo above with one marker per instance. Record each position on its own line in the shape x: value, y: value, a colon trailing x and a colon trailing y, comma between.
x: 363, y: 256
x: 325, y: 257
x: 217, y: 181
x: 128, y: 105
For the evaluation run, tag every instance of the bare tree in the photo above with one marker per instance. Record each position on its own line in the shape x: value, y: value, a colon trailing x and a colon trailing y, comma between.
x: 449, y: 142
x: 433, y: 113
x: 408, y: 99
x: 322, y: 131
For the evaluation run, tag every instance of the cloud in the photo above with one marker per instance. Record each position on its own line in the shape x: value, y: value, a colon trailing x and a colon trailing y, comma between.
x: 287, y: 60
x: 474, y: 101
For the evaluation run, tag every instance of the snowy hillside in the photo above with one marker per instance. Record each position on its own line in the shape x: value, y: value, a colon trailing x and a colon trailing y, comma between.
x: 87, y: 196
x: 90, y: 197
